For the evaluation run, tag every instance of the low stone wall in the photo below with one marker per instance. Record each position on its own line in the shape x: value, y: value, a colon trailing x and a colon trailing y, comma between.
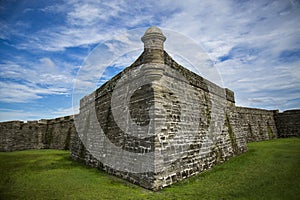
x: 288, y: 123
x: 17, y: 135
x: 256, y: 124
x: 60, y: 133
x: 54, y: 134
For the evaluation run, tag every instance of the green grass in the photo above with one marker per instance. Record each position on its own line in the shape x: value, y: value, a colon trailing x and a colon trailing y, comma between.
x: 269, y: 170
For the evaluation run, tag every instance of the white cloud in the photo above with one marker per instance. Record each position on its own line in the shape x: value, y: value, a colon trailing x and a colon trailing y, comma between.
x: 83, y: 24
x: 20, y: 93
x: 24, y: 83
x: 11, y: 114
x: 26, y: 115
x: 261, y: 31
x: 65, y: 111
x: 89, y: 13
x: 244, y: 38
x: 48, y: 65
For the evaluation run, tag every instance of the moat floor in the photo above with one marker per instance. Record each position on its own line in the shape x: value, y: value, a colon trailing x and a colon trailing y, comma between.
x: 269, y: 170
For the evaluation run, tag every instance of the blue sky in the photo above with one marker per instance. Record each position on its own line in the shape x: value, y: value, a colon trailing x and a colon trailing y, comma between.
x: 254, y: 45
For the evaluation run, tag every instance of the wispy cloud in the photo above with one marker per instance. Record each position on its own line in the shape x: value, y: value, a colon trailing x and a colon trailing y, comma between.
x: 35, y: 114
x: 26, y: 83
x: 65, y: 111
x: 14, y: 92
x: 253, y: 44
x: 11, y: 114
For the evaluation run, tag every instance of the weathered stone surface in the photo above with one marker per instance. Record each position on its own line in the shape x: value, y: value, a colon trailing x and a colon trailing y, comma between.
x: 155, y: 123
x: 256, y: 124
x: 196, y: 123
x: 54, y: 134
x: 17, y: 135
x: 288, y: 123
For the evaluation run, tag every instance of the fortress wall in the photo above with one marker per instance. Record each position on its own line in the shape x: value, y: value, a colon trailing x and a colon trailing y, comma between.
x: 184, y: 143
x: 195, y: 126
x: 256, y: 124
x: 55, y: 134
x: 154, y: 124
x: 60, y: 133
x: 17, y: 135
x: 288, y: 123
x: 102, y: 137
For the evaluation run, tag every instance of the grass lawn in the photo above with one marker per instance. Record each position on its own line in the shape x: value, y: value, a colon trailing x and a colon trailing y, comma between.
x: 269, y: 170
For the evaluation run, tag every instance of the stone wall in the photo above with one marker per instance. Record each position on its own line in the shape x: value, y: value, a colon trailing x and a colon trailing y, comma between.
x: 195, y: 125
x: 60, y: 133
x: 256, y: 124
x: 17, y: 135
x: 156, y: 122
x: 189, y: 143
x: 182, y: 144
x: 288, y: 123
x: 101, y: 136
x: 54, y: 134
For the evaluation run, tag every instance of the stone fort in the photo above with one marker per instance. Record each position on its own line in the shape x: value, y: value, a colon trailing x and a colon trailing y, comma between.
x: 154, y: 124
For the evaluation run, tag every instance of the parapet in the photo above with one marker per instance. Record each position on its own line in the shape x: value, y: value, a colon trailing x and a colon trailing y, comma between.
x: 229, y: 95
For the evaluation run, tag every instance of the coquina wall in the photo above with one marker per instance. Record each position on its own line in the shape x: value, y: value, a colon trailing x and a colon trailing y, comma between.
x: 288, y: 123
x: 54, y: 134
x: 181, y: 144
x: 257, y: 124
x: 186, y: 124
x: 17, y: 135
x: 155, y: 123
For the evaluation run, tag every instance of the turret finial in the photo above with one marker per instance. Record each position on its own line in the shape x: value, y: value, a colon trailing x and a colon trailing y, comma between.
x: 153, y: 38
